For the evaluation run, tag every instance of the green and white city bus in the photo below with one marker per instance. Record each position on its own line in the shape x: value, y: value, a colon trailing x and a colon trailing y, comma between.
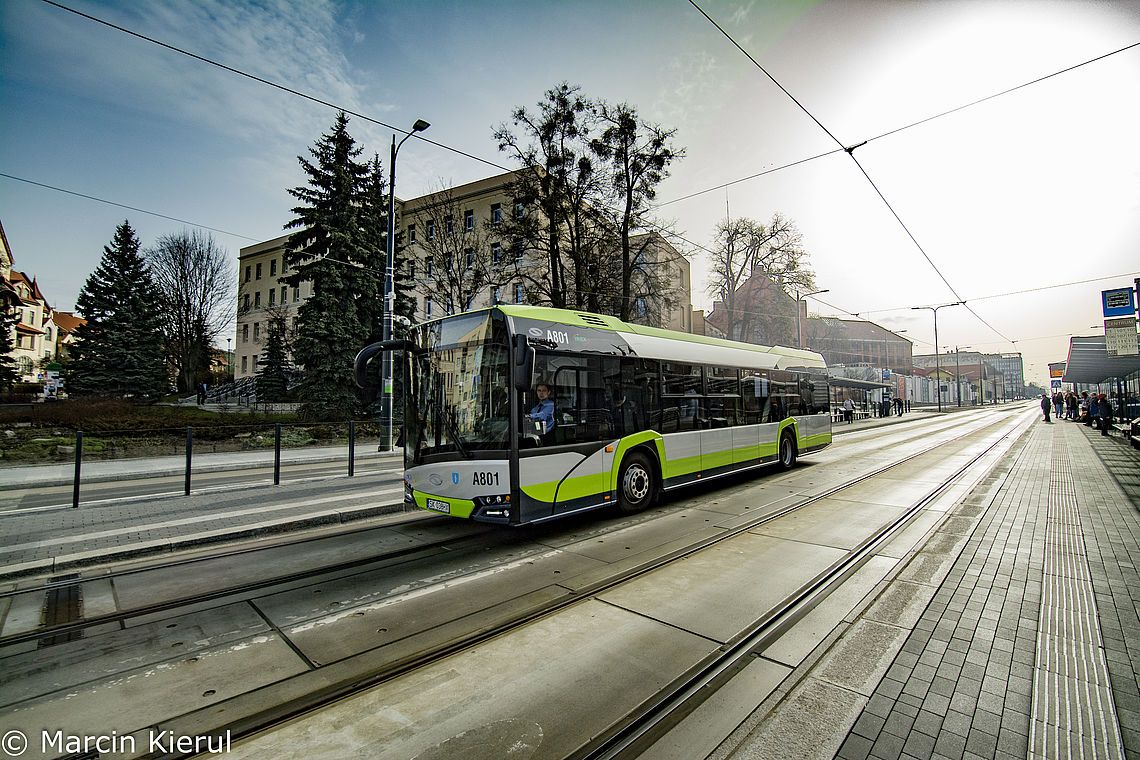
x: 637, y: 410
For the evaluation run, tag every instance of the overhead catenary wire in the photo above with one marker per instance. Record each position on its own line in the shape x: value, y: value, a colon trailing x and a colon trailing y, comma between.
x: 123, y: 205
x: 850, y: 150
x: 320, y: 101
x: 896, y: 130
x: 1013, y: 292
x: 271, y: 83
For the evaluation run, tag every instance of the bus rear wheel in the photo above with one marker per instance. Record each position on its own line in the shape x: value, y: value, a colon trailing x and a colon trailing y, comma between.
x: 637, y: 483
x: 787, y: 451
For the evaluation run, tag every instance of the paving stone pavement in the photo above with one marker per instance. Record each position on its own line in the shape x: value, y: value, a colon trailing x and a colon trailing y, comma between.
x: 963, y: 684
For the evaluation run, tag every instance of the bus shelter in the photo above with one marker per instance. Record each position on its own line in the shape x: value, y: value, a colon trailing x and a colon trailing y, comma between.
x: 1091, y: 368
x: 866, y: 394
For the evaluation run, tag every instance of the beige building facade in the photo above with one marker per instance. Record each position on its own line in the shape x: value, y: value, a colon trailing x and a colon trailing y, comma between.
x: 460, y: 222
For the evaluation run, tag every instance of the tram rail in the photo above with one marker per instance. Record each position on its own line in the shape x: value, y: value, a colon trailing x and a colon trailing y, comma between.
x: 632, y: 731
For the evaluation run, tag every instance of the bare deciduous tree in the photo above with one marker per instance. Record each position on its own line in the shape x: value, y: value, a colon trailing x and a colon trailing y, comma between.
x: 637, y: 156
x: 195, y: 277
x: 745, y: 247
x: 459, y: 262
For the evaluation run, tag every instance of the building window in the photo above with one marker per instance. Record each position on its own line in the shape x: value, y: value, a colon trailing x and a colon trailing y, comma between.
x: 257, y: 274
x: 245, y: 303
x: 248, y: 269
x: 427, y: 306
x: 496, y: 213
x: 273, y: 267
x: 245, y: 364
x: 296, y: 293
x: 496, y: 295
x: 272, y: 297
x: 429, y: 267
x: 284, y: 291
x: 520, y: 210
x: 245, y: 333
x: 496, y: 253
x: 518, y: 256
x: 469, y: 220
x: 256, y: 332
x: 518, y: 293
x: 448, y: 225
x: 412, y: 269
x: 470, y: 257
x: 431, y: 229
x: 450, y: 305
x: 257, y: 299
x: 411, y: 234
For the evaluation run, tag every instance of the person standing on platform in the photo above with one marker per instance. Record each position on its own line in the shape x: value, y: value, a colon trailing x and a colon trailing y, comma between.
x: 1045, y: 405
x: 1094, y: 410
x: 848, y: 410
x: 1104, y: 409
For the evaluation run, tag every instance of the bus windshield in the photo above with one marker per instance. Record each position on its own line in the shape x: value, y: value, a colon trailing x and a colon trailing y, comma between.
x: 459, y: 388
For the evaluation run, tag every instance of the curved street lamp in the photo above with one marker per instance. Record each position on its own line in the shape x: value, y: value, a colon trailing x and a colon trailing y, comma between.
x: 937, y: 362
x: 389, y: 286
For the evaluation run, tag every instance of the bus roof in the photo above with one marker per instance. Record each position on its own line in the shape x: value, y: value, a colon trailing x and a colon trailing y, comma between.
x: 657, y: 343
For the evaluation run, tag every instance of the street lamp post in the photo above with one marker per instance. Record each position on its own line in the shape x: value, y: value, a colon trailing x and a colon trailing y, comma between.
x: 937, y: 361
x: 799, y: 333
x: 958, y: 374
x: 389, y: 279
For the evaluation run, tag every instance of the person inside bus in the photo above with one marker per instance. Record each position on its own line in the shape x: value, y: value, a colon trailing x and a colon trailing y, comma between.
x: 775, y: 410
x: 543, y: 411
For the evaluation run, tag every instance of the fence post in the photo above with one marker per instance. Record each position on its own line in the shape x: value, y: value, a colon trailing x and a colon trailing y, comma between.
x: 189, y: 452
x: 277, y: 453
x: 351, y: 448
x: 78, y: 463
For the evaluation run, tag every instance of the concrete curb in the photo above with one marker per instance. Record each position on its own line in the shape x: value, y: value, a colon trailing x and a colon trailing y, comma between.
x: 50, y: 565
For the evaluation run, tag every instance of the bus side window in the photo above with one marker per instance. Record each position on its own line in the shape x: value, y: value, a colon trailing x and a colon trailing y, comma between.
x: 754, y: 396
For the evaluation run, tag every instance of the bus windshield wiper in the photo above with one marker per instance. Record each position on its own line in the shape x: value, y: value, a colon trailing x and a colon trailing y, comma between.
x: 453, y: 431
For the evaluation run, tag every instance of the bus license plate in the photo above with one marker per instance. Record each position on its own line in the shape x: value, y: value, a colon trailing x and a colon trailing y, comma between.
x: 439, y: 506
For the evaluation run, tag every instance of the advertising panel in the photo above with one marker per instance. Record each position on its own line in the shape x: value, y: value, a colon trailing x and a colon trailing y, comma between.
x: 1056, y: 369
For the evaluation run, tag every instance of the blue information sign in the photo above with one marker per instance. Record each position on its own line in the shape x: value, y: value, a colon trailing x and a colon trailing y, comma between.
x: 1119, y: 302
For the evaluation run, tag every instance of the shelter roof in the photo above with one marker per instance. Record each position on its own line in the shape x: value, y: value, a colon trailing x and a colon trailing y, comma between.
x: 1089, y: 361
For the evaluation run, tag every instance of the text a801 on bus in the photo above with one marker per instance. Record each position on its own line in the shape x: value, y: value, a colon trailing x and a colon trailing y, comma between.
x: 520, y: 414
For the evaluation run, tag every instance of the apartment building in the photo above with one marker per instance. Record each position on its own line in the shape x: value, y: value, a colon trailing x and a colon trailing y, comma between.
x: 459, y: 221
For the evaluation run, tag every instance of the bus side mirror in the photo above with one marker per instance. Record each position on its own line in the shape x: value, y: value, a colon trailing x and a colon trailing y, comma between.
x: 360, y: 367
x: 522, y: 368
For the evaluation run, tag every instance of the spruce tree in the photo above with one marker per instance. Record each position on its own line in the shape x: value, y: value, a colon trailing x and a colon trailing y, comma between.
x: 120, y: 351
x: 373, y: 253
x: 272, y: 378
x: 9, y: 375
x: 323, y: 251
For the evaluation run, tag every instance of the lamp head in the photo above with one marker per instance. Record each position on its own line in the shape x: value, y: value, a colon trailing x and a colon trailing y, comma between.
x: 420, y: 125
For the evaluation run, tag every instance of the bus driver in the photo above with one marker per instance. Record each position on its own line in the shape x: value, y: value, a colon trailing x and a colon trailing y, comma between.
x: 543, y: 411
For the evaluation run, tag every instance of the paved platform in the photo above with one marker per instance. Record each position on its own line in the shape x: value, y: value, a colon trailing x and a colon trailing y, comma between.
x: 1027, y: 645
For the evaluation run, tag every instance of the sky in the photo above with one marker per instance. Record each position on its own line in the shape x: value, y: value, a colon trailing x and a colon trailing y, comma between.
x: 1036, y: 190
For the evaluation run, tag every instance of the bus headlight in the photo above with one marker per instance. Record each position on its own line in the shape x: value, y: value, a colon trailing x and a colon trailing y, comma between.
x: 408, y: 495
x: 503, y: 500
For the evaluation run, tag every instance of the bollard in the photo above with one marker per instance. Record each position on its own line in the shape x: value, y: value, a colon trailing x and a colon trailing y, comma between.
x: 78, y: 463
x: 351, y: 448
x: 277, y: 453
x: 189, y: 452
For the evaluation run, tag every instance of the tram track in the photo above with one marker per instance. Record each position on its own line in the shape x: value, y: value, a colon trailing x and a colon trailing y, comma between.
x: 61, y: 587
x: 244, y: 720
x: 638, y: 731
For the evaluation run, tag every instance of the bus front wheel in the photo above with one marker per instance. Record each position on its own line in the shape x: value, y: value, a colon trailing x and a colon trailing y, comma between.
x: 787, y: 451
x: 637, y: 483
